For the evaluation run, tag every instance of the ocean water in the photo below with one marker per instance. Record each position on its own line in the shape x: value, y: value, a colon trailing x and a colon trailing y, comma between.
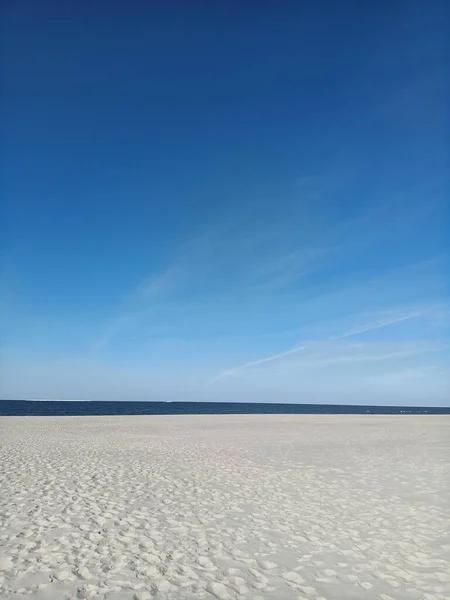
x: 74, y: 408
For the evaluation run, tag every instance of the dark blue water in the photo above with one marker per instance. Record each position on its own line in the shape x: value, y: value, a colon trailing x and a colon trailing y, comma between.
x: 27, y: 407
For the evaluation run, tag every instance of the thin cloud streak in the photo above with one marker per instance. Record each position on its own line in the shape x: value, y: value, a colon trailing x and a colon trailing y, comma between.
x: 346, y: 334
x: 378, y: 325
x: 237, y: 370
x: 373, y: 357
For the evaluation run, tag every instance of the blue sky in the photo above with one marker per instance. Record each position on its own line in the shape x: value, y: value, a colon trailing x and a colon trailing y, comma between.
x: 231, y: 201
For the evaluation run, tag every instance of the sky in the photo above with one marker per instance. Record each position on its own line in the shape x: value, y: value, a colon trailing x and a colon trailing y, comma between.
x: 225, y: 201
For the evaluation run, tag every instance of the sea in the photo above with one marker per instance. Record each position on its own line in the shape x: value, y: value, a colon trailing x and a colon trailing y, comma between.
x: 85, y: 408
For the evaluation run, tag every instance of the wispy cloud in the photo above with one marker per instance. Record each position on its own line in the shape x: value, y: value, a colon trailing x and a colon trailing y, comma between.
x: 280, y: 258
x: 346, y: 334
x: 244, y: 256
x: 372, y: 352
x: 377, y: 325
x: 254, y: 363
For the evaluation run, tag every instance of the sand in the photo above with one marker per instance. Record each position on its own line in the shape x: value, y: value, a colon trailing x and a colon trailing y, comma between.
x: 225, y: 507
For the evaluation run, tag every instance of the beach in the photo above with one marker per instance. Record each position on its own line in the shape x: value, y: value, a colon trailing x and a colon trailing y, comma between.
x: 251, y: 507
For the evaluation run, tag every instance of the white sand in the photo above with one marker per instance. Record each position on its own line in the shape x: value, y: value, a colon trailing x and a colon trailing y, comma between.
x: 227, y: 507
